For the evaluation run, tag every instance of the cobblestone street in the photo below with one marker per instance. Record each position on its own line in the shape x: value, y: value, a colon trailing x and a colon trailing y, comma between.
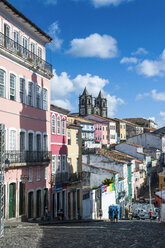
x: 85, y: 234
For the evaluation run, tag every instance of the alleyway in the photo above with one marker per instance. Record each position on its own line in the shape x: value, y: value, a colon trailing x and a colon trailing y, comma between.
x: 83, y: 235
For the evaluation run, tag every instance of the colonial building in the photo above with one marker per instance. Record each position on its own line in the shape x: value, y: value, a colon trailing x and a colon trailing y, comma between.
x: 25, y: 111
x: 86, y: 106
x: 59, y: 168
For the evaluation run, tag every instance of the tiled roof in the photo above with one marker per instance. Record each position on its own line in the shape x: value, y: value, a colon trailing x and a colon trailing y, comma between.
x: 115, y: 155
x: 132, y: 144
x: 105, y: 169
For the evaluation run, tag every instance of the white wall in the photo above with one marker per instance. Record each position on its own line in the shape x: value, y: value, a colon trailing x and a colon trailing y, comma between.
x: 163, y: 213
x: 108, y: 198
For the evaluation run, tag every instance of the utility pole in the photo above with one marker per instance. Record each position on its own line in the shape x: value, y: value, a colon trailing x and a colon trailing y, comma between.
x: 2, y: 183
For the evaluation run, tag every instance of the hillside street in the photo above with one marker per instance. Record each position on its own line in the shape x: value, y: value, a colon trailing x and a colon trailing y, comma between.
x: 85, y: 234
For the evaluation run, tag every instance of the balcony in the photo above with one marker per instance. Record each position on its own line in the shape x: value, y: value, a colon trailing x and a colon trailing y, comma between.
x: 25, y: 54
x: 65, y: 177
x: 27, y: 157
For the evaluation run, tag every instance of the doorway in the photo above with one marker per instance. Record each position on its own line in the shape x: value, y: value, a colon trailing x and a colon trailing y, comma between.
x: 12, y: 200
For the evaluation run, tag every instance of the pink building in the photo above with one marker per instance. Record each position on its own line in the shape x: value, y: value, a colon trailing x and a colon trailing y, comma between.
x: 59, y: 159
x: 25, y: 112
x: 101, y: 133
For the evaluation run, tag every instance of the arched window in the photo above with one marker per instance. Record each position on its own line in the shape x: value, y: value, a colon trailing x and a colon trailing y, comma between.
x: 53, y: 124
x: 63, y: 126
x: 2, y: 83
x: 58, y: 125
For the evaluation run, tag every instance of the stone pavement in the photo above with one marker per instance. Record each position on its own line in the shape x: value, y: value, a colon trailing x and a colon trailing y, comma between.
x: 84, y: 234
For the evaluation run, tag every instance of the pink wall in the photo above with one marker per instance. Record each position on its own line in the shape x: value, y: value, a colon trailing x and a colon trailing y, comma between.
x: 22, y: 32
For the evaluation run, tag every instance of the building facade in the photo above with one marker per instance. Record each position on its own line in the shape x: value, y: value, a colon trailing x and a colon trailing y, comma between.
x: 59, y: 170
x: 25, y: 112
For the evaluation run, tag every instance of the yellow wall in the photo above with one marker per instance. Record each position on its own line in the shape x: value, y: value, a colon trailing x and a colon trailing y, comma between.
x: 162, y: 180
x: 122, y: 131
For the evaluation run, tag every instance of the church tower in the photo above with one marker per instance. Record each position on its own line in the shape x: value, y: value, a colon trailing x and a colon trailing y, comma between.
x: 100, y: 107
x: 85, y: 103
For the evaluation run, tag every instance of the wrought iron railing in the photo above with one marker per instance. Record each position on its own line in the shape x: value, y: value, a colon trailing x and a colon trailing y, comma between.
x: 14, y: 157
x: 24, y: 53
x: 65, y: 177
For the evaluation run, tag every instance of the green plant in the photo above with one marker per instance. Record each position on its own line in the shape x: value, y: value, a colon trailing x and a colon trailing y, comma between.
x: 108, y: 181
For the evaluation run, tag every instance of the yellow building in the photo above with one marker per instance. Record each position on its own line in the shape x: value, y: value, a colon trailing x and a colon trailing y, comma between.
x: 122, y: 131
x: 162, y: 180
x: 74, y: 157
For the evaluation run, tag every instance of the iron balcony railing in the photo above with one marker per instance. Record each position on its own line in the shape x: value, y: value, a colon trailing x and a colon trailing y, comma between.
x: 24, y: 53
x: 65, y: 177
x: 15, y: 157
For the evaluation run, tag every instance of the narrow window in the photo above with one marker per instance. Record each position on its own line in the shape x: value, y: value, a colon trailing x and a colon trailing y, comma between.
x: 59, y: 163
x: 30, y: 174
x: 45, y: 172
x: 53, y: 124
x: 16, y: 40
x: 30, y: 140
x: 22, y: 141
x: 30, y: 94
x: 33, y: 51
x: 45, y: 101
x: 12, y: 87
x: 63, y: 126
x: 40, y: 52
x: 2, y: 83
x: 25, y: 46
x: 77, y: 138
x: 38, y: 173
x: 12, y: 140
x: 22, y: 90
x: 53, y: 164
x: 45, y: 142
x: 69, y: 138
x: 38, y: 142
x: 58, y: 125
x: 63, y: 162
x: 38, y: 96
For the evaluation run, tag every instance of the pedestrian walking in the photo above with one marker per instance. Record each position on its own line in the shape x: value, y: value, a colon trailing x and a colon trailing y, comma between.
x: 159, y: 216
x: 116, y: 215
x: 150, y: 214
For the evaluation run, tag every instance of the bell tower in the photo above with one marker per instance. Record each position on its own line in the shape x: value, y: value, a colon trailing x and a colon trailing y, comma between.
x: 85, y: 103
x: 100, y: 107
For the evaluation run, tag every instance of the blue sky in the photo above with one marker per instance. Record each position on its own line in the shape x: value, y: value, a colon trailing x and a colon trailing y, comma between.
x: 113, y: 45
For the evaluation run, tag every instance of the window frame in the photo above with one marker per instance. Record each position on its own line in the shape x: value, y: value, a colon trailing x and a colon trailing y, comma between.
x: 38, y: 173
x: 31, y: 96
x: 58, y: 125
x: 3, y: 85
x: 45, y: 99
x: 13, y: 88
x: 54, y: 165
x: 63, y: 121
x: 23, y: 91
x: 53, y: 124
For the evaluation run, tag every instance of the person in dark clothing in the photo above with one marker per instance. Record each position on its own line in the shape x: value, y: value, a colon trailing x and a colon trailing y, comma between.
x: 116, y: 215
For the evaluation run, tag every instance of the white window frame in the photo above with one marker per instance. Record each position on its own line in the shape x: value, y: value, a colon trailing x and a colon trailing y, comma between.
x: 30, y: 174
x: 45, y: 99
x: 13, y: 88
x: 3, y: 85
x: 38, y: 93
x: 24, y: 48
x: 38, y: 173
x: 24, y: 90
x: 36, y: 134
x: 40, y: 52
x: 11, y: 145
x: 45, y: 146
x: 54, y: 164
x: 53, y: 121
x: 31, y: 132
x: 58, y: 163
x: 63, y: 122
x: 58, y: 124
x: 16, y: 42
x: 31, y: 103
x: 22, y: 131
x: 63, y: 162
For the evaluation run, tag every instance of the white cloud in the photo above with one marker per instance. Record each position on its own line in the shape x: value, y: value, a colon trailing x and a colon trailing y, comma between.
x: 140, y: 51
x: 54, y: 31
x: 129, y: 60
x: 94, y: 45
x: 101, y: 3
x: 141, y: 96
x: 162, y: 114
x: 158, y: 96
x: 151, y: 68
x: 113, y: 103
x: 64, y: 90
x: 155, y: 96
